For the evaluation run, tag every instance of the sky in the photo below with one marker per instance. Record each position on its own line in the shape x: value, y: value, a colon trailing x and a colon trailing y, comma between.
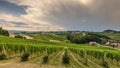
x: 60, y: 15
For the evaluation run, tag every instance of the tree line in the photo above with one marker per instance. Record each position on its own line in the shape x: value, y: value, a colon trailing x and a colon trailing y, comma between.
x: 88, y: 37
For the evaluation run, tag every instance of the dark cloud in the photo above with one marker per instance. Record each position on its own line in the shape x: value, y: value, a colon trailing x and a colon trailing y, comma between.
x: 15, y: 24
x: 11, y: 8
x: 103, y: 14
x: 18, y: 23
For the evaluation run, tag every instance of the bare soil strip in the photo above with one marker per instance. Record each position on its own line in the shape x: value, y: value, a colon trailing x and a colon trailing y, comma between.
x: 77, y: 60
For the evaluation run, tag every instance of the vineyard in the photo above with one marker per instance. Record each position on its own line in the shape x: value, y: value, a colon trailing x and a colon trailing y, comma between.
x: 35, y: 53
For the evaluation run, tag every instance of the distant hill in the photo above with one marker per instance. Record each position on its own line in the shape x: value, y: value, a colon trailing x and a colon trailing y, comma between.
x: 106, y: 34
x: 20, y: 31
x: 110, y: 31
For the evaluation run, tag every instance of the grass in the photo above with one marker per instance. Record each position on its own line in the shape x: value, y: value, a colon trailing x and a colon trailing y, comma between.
x: 48, y: 37
x: 42, y: 41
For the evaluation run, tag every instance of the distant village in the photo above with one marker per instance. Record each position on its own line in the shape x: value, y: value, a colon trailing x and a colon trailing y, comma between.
x: 108, y: 43
x: 11, y: 34
x: 20, y: 35
x: 111, y: 44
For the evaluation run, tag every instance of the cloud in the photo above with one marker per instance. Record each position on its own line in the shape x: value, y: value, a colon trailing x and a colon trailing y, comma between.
x: 24, y: 22
x: 32, y: 18
x: 7, y: 7
x: 65, y: 14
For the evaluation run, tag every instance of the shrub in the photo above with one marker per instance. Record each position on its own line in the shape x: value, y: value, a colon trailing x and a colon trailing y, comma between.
x: 65, y: 58
x: 3, y: 56
x: 105, y: 64
x: 19, y: 36
x: 45, y: 59
x: 25, y: 56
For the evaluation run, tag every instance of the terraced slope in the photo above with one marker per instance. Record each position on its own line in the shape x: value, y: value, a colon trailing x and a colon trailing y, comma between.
x: 80, y: 55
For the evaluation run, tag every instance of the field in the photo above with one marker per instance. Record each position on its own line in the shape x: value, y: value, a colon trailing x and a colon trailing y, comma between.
x: 53, y: 51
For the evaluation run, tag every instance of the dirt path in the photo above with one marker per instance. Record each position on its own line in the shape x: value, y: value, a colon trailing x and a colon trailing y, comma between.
x: 14, y: 64
x: 96, y: 65
x: 4, y: 64
x: 31, y: 63
x: 73, y: 65
x: 26, y: 65
x: 53, y: 58
x: 83, y: 66
x: 89, y: 61
x: 60, y: 59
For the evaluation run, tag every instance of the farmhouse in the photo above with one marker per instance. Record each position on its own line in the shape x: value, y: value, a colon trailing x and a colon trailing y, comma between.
x: 113, y: 44
x: 93, y: 43
x: 11, y: 34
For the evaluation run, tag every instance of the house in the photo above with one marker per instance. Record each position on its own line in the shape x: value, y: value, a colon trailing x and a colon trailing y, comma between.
x: 11, y: 34
x: 93, y: 43
x: 113, y: 44
x: 119, y: 45
x: 107, y: 43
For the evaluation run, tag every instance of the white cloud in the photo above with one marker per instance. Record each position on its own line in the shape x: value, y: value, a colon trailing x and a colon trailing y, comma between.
x: 33, y: 18
x: 31, y: 22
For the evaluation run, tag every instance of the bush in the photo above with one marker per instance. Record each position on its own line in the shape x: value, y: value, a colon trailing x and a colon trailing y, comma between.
x: 19, y: 36
x: 3, y: 56
x: 105, y: 64
x: 45, y: 59
x: 25, y: 56
x: 65, y: 58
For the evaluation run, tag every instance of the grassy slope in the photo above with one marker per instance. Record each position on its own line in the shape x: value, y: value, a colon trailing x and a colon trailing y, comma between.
x: 38, y: 41
x: 48, y: 37
x: 7, y: 40
x: 114, y: 36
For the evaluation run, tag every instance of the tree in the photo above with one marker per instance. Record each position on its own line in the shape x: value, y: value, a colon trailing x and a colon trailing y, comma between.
x: 81, y: 39
x: 4, y: 32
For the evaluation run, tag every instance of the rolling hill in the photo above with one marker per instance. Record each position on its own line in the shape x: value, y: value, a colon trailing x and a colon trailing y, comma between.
x: 43, y: 53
